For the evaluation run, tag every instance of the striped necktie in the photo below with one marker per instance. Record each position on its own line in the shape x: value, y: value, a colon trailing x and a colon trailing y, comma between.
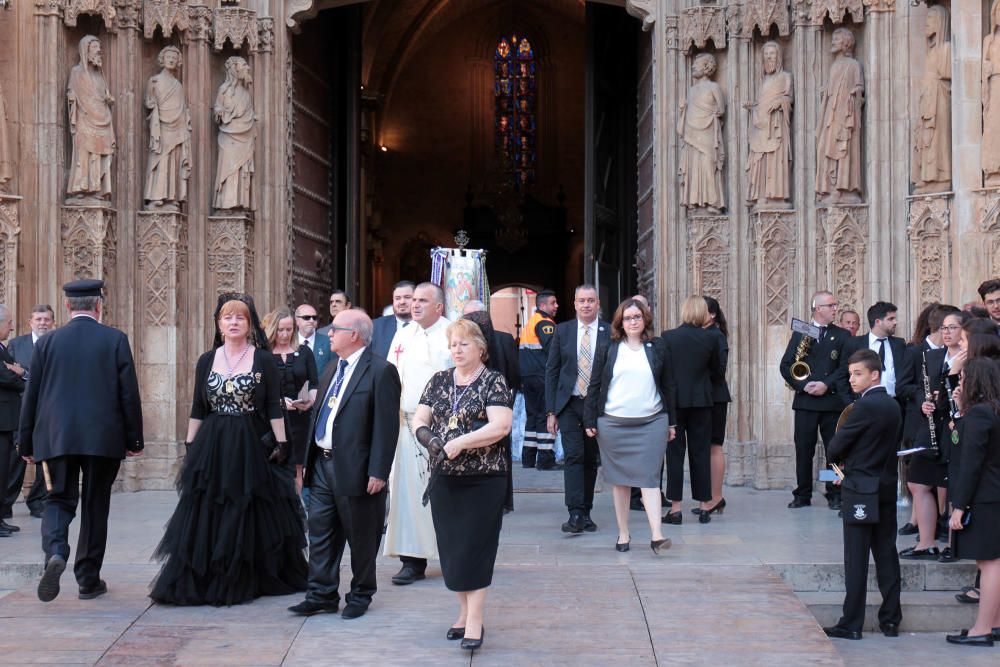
x: 583, y: 363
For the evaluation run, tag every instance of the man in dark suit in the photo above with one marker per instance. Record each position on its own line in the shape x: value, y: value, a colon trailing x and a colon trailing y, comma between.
x: 81, y: 416
x: 385, y: 327
x: 866, y: 446
x: 11, y: 387
x: 22, y: 348
x: 818, y: 401
x: 338, y: 301
x: 351, y: 452
x: 989, y: 292
x: 882, y: 340
x: 567, y: 378
x: 318, y: 344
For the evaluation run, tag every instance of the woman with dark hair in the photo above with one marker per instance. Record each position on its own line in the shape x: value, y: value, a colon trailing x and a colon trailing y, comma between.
x: 722, y: 398
x: 628, y: 408
x: 922, y: 329
x: 981, y: 338
x: 237, y: 532
x: 975, y: 493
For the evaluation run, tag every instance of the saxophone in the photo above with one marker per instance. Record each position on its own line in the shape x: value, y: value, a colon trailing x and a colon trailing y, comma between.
x: 800, y: 369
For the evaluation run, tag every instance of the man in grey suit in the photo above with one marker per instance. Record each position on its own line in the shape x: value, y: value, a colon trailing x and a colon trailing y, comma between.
x: 21, y: 348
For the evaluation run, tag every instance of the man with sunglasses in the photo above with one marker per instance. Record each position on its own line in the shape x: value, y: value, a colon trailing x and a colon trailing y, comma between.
x: 319, y: 345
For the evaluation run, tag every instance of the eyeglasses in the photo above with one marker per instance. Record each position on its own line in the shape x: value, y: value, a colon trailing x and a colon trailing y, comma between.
x: 308, y: 317
x: 953, y: 327
x: 633, y: 318
x: 827, y: 305
x: 336, y: 328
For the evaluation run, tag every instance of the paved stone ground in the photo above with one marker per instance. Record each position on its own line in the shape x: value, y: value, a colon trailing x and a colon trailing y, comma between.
x: 556, y: 600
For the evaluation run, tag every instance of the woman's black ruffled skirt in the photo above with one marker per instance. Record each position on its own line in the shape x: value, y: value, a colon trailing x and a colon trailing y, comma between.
x: 238, y: 531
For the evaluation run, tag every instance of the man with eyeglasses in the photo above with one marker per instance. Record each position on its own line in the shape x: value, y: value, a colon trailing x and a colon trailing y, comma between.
x: 818, y: 401
x: 318, y: 344
x: 339, y: 301
x: 989, y: 292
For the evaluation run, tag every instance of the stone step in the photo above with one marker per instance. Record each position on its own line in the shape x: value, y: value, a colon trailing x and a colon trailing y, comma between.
x: 927, y: 611
x: 917, y: 576
x: 15, y: 575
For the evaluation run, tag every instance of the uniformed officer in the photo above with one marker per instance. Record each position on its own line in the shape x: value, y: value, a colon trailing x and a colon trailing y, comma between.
x: 80, y: 416
x: 535, y: 337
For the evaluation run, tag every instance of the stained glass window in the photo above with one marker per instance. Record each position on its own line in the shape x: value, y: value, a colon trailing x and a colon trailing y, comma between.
x: 514, y: 116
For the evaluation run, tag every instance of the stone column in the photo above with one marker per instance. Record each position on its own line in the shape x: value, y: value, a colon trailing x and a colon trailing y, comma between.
x: 198, y: 84
x: 230, y: 254
x: 10, y: 236
x: 928, y: 229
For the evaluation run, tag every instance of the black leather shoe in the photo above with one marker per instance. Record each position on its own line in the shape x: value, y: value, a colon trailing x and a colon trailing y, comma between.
x: 36, y: 512
x: 838, y: 632
x: 799, y: 502
x: 407, y: 575
x: 889, y: 629
x: 970, y: 640
x: 704, y: 517
x: 94, y: 591
x: 48, y: 587
x: 965, y: 597
x: 835, y: 504
x: 5, y: 533
x: 473, y: 644
x: 908, y: 529
x: 588, y: 525
x: 947, y: 556
x: 675, y: 518
x: 622, y: 547
x: 10, y: 527
x: 310, y: 608
x: 455, y: 633
x: 913, y: 553
x: 353, y: 611
x: 574, y: 525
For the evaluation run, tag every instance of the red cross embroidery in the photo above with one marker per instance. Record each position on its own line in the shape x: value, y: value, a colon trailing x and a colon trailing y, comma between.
x: 398, y: 351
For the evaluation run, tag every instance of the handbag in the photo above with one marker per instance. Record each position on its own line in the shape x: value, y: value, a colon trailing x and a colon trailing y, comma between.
x: 859, y: 496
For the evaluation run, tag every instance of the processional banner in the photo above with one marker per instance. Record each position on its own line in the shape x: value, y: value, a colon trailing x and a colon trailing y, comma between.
x: 461, y: 273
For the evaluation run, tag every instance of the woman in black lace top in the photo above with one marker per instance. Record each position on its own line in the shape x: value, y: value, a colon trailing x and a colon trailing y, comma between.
x: 467, y: 412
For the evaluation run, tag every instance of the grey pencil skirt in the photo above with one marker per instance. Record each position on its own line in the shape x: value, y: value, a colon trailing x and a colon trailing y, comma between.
x: 632, y: 449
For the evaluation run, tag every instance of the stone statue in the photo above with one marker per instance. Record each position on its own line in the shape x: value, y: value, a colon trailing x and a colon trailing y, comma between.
x: 237, y: 136
x: 6, y: 162
x: 932, y: 133
x: 90, y: 123
x: 169, y: 164
x: 770, y: 134
x: 991, y: 99
x: 838, y: 140
x: 700, y: 127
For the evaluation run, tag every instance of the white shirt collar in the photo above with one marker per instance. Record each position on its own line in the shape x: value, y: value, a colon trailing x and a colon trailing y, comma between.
x: 79, y: 315
x: 311, y: 340
x: 34, y: 337
x: 931, y: 344
x: 581, y: 325
x: 872, y: 338
x: 353, y: 359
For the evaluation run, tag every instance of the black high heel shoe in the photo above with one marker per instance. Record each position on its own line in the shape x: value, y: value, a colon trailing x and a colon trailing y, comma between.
x: 473, y: 644
x: 657, y: 545
x: 455, y: 633
x: 719, y: 507
x: 622, y: 546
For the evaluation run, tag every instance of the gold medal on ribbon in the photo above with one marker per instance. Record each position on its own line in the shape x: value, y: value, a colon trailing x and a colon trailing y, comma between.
x: 453, y: 423
x: 332, y: 402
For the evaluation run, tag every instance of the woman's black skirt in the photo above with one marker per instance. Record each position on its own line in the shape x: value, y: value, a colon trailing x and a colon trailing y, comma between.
x: 719, y: 412
x: 468, y: 513
x: 980, y: 540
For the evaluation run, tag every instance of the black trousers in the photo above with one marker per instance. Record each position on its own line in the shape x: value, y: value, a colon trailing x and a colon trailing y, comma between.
x: 807, y: 422
x: 583, y: 458
x: 6, y: 454
x: 694, y: 433
x: 880, y: 540
x: 36, y: 495
x: 97, y: 474
x: 334, y: 521
x: 533, y: 389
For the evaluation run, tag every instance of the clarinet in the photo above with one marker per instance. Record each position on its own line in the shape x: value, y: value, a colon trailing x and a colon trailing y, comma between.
x: 927, y: 397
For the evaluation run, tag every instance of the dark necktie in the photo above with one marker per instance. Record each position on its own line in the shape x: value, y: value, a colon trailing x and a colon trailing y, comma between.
x: 330, y: 400
x: 306, y: 343
x: 406, y: 323
x: 881, y: 351
x: 822, y: 332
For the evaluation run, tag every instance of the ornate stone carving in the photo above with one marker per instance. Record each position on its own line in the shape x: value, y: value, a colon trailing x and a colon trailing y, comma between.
x: 236, y: 24
x: 10, y: 232
x: 812, y: 12
x: 48, y: 7
x: 199, y: 23
x: 298, y: 11
x: 770, y: 130
x: 644, y: 10
x: 265, y: 34
x: 128, y: 14
x: 700, y: 126
x: 991, y: 99
x: 700, y: 24
x: 931, y: 167
x: 761, y: 14
x: 878, y: 6
x: 709, y: 250
x: 90, y: 124
x: 6, y: 159
x: 168, y: 166
x: 774, y: 238
x: 237, y: 137
x: 230, y: 252
x: 103, y: 8
x: 930, y: 247
x: 842, y: 249
x: 671, y: 30
x: 162, y: 240
x: 838, y: 135
x: 165, y: 15
x: 90, y: 246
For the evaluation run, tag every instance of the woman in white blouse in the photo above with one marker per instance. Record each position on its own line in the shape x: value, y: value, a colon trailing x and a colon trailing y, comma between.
x: 628, y: 408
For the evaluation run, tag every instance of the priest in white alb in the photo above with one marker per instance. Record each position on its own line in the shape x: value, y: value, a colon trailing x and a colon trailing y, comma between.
x: 418, y: 352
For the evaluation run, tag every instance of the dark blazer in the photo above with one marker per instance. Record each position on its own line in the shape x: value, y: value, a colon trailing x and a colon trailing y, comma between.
x: 824, y: 362
x: 694, y: 358
x: 978, y: 477
x: 383, y: 330
x: 896, y: 345
x: 22, y: 348
x: 321, y: 352
x: 600, y: 380
x: 720, y: 387
x: 365, y: 428
x: 910, y: 388
x: 11, y: 387
x: 561, y: 366
x: 866, y: 442
x: 506, y: 361
x: 83, y: 395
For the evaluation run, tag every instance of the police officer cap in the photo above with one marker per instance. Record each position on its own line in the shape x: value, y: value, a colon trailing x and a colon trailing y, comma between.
x: 86, y: 287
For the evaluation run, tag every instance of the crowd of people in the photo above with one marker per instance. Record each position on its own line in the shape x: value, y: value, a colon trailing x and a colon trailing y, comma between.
x: 401, y: 426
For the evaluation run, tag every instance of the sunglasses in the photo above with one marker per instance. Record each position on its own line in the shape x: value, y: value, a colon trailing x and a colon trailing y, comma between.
x: 307, y: 317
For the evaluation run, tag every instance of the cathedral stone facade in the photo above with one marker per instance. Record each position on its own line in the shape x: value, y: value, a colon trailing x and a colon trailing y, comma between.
x: 784, y: 146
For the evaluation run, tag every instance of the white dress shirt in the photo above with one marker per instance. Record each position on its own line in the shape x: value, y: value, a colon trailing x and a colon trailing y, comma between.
x: 311, y: 340
x: 889, y: 374
x: 352, y: 361
x: 632, y: 391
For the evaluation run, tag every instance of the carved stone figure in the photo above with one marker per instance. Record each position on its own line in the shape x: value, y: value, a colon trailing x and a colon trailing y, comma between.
x: 6, y: 161
x: 90, y: 123
x: 771, y: 134
x: 237, y: 135
x: 991, y: 99
x: 700, y: 127
x: 931, y: 168
x: 169, y: 164
x: 838, y: 140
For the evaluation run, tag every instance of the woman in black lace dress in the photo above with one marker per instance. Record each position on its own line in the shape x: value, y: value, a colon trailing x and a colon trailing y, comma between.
x: 467, y: 412
x: 237, y: 532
